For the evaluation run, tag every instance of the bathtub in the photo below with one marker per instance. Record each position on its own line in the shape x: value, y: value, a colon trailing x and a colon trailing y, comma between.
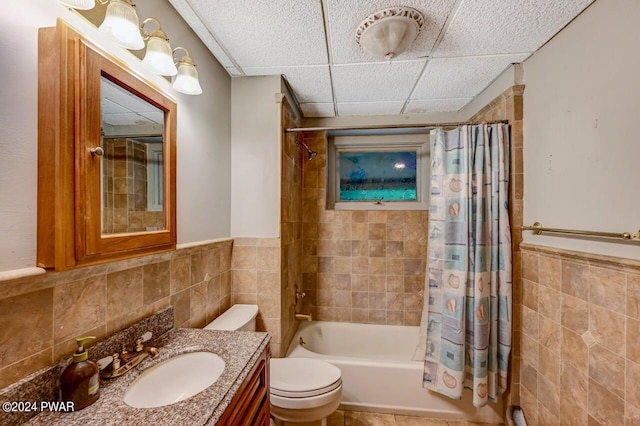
x: 378, y: 373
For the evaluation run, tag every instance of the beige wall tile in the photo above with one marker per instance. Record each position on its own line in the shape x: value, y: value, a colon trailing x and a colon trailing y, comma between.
x: 631, y: 414
x: 529, y: 405
x: 268, y: 282
x: 181, y: 307
x: 244, y: 257
x: 26, y: 366
x: 156, y: 281
x: 529, y: 378
x: 604, y: 406
x: 124, y: 292
x: 27, y: 325
x: 529, y: 351
x: 574, y: 350
x: 607, y: 369
x: 633, y: 383
x: 550, y: 303
x: 268, y: 259
x: 180, y: 274
x: 574, y: 387
x: 530, y: 323
x: 550, y: 334
x: 530, y: 294
x: 548, y: 394
x: 608, y: 289
x: 269, y: 305
x: 377, y: 231
x: 575, y: 279
x: 575, y: 314
x: 550, y: 272
x: 244, y: 281
x: 198, y: 303
x: 79, y: 306
x: 546, y: 417
x: 608, y: 328
x: 549, y: 365
x: 530, y: 267
x: 633, y: 295
x: 633, y: 340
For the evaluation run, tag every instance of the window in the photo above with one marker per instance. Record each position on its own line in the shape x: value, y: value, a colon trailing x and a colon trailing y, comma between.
x: 385, y: 172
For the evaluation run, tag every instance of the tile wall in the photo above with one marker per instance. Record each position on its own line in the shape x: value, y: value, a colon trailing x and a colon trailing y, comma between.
x: 580, y: 348
x: 359, y: 266
x: 41, y: 315
x: 293, y: 158
x: 265, y: 271
x: 256, y: 279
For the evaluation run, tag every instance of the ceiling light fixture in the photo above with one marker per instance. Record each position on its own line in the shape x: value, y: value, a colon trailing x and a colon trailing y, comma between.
x: 389, y: 32
x: 187, y: 79
x: 159, y: 56
x: 121, y: 24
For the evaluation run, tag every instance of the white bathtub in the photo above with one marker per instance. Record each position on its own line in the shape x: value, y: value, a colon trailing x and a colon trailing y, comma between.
x: 378, y: 373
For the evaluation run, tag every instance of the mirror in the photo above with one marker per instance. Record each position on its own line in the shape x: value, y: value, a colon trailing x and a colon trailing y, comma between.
x: 132, y: 165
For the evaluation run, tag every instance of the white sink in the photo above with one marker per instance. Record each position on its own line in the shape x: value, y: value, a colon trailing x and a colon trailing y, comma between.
x: 175, y: 379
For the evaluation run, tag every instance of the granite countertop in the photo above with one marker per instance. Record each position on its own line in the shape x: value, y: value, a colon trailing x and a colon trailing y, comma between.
x: 239, y: 349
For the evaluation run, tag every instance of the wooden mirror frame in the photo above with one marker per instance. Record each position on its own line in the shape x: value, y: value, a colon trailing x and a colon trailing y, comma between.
x: 69, y: 177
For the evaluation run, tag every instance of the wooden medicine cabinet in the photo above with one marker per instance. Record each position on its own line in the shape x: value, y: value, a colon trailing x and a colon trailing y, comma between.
x: 106, y: 156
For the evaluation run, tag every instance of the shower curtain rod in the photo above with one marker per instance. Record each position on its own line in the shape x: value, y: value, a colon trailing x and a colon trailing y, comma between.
x: 385, y: 126
x: 538, y: 229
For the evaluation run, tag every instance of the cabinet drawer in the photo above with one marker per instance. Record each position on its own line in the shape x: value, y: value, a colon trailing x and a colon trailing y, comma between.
x: 250, y: 405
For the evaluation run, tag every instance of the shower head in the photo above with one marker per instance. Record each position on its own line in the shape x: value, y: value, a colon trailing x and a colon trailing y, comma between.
x: 312, y: 154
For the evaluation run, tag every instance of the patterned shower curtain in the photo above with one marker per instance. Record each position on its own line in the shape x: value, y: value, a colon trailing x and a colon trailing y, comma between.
x: 468, y: 295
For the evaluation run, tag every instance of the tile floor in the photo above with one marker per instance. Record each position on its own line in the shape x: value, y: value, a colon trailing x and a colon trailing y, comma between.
x: 355, y: 418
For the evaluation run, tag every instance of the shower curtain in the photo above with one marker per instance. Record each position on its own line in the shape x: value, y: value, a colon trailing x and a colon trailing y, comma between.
x: 467, y: 309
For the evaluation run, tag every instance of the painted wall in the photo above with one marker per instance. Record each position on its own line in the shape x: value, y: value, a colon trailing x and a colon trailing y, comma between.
x: 255, y: 157
x: 204, y: 131
x: 581, y: 102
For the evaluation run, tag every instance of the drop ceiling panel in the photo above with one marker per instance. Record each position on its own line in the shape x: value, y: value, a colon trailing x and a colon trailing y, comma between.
x: 461, y: 77
x: 317, y: 110
x: 203, y: 31
x: 369, y: 108
x: 267, y: 33
x: 497, y: 27
x: 310, y: 84
x: 375, y: 82
x: 436, y: 105
x: 110, y: 107
x: 344, y: 17
x: 127, y: 119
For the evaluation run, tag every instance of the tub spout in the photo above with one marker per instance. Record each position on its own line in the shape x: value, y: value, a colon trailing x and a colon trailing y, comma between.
x: 300, y: 316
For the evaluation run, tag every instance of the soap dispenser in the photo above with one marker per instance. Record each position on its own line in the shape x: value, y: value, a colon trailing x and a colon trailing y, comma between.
x: 80, y: 381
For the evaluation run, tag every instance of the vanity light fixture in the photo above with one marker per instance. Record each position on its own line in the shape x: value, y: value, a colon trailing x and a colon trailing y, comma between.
x: 78, y: 4
x: 159, y: 56
x: 121, y: 24
x: 389, y: 32
x: 187, y: 81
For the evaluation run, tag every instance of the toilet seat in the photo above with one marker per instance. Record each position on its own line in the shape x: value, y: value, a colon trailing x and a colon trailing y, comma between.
x: 303, y: 377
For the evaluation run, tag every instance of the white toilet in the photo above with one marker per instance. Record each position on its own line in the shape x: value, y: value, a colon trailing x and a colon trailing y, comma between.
x: 302, y: 390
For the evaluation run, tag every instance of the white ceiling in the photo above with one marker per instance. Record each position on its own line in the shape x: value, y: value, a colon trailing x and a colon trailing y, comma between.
x: 463, y: 47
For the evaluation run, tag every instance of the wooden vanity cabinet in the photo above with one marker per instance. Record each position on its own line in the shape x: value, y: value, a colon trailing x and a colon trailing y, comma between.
x: 250, y: 405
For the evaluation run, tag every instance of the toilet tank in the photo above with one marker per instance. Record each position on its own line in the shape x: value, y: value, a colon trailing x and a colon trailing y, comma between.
x: 238, y: 317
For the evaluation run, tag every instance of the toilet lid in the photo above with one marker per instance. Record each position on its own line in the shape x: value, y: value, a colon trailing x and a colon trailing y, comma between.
x: 303, y: 377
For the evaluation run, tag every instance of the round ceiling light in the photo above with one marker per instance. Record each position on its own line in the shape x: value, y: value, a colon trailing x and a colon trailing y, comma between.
x: 389, y: 32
